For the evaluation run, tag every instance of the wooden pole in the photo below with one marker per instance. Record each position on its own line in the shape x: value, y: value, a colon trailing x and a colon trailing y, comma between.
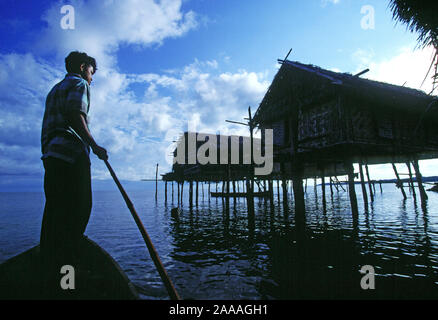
x: 271, y: 192
x: 234, y: 193
x: 165, y: 191
x: 369, y: 183
x: 351, y: 190
x: 364, y: 190
x: 331, y: 187
x: 250, y: 185
x: 182, y: 191
x: 179, y: 196
x: 324, y: 200
x: 152, y: 251
x: 172, y: 191
x: 410, y: 179
x: 419, y: 177
x: 197, y: 193
x: 399, y: 182
x: 284, y: 186
x: 191, y: 193
x: 156, y: 183
x: 227, y: 200
x: 249, y: 200
x: 297, y: 185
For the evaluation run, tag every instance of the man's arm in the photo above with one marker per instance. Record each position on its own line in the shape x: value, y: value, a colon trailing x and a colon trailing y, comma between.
x: 79, y: 125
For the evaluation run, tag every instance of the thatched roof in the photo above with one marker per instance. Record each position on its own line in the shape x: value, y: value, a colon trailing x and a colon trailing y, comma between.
x: 300, y: 84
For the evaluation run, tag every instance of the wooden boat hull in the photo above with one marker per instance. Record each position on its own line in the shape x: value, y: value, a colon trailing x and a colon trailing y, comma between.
x: 98, y: 277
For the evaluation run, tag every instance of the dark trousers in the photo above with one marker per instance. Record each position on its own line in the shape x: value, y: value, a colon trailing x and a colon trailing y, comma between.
x: 67, y: 188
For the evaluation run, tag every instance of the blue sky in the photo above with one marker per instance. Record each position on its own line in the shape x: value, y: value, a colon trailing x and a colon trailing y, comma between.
x: 164, y: 63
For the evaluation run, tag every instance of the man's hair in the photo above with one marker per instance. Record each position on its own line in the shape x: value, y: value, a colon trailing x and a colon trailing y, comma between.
x: 75, y: 59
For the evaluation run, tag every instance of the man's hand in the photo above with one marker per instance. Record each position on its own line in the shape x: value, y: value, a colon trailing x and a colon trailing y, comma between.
x: 100, y: 152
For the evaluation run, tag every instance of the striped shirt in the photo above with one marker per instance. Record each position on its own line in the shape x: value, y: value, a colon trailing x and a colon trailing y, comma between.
x: 58, y: 139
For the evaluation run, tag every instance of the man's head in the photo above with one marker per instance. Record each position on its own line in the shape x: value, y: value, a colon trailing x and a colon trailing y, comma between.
x: 81, y: 63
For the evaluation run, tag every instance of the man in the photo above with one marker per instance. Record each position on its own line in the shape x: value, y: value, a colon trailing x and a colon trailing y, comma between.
x: 65, y: 144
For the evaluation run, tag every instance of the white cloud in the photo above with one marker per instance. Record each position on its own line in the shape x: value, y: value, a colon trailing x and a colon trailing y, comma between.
x: 102, y: 26
x: 325, y: 2
x: 133, y: 129
x: 407, y: 66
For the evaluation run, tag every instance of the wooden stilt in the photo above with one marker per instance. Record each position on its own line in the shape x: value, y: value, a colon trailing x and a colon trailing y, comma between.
x: 249, y: 199
x: 197, y: 193
x: 300, y: 209
x: 250, y: 183
x: 419, y: 177
x: 227, y: 200
x: 191, y: 193
x: 369, y: 183
x: 284, y: 186
x: 278, y: 191
x: 172, y: 191
x: 179, y: 197
x: 271, y: 192
x: 182, y: 192
x: 399, y: 182
x: 381, y: 190
x: 305, y: 188
x: 165, y: 191
x: 156, y: 183
x: 351, y: 190
x: 410, y: 180
x: 324, y: 200
x: 364, y: 190
x: 331, y: 187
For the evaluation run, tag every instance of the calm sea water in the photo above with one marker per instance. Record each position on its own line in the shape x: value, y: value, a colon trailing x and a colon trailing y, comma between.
x: 210, y: 254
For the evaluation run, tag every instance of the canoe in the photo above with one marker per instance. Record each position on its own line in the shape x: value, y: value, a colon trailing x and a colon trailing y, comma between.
x: 239, y: 194
x: 98, y: 277
x: 434, y: 188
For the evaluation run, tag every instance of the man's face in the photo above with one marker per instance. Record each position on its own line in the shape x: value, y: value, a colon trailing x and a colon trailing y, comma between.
x: 87, y: 73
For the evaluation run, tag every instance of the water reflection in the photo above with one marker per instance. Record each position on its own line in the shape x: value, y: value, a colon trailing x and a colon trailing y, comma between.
x: 233, y: 255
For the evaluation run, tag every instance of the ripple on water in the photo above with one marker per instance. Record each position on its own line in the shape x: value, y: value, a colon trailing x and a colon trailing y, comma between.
x: 210, y: 254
